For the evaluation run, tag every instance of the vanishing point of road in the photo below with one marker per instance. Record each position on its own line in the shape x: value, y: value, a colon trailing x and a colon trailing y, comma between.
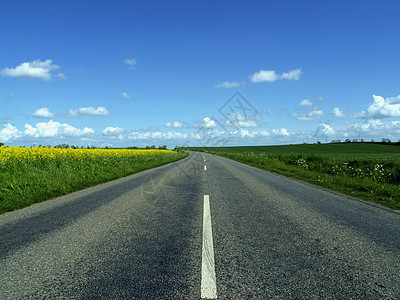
x: 203, y: 227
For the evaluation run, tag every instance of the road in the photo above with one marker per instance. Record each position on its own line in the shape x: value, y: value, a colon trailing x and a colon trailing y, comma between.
x: 201, y: 227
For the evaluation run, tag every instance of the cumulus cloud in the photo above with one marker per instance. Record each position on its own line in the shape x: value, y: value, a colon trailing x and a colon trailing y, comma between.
x: 324, y: 130
x: 384, y: 107
x: 337, y: 112
x: 43, y: 113
x: 265, y: 75
x: 281, y: 132
x: 208, y: 123
x: 89, y: 111
x: 55, y: 129
x: 243, y: 133
x: 271, y: 75
x: 227, y: 84
x: 292, y: 75
x: 9, y: 132
x: 175, y: 124
x: 369, y: 125
x: 306, y: 102
x: 315, y: 113
x: 112, y: 130
x: 34, y: 69
x: 131, y: 62
x: 126, y: 95
x: 238, y: 120
x: 157, y: 135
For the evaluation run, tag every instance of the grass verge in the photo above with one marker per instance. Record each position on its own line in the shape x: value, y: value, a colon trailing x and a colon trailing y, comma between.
x: 24, y: 182
x: 372, y: 177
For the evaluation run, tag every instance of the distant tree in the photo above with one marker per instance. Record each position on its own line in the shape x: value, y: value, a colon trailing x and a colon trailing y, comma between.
x: 318, y: 142
x: 347, y: 141
x: 147, y: 147
x: 153, y: 147
x: 362, y: 141
x: 63, y: 146
x: 355, y: 140
x: 1, y: 144
x: 386, y: 140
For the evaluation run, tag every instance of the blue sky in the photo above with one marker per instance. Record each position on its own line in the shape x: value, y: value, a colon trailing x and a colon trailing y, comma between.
x: 137, y: 73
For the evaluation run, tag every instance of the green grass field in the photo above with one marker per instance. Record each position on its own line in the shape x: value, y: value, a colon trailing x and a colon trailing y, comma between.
x: 365, y: 170
x: 331, y: 149
x: 25, y: 181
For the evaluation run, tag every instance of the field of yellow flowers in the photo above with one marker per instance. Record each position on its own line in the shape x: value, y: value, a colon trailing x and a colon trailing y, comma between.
x: 35, y: 174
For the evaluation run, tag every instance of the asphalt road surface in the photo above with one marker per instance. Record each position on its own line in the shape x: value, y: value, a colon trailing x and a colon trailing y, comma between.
x: 201, y: 227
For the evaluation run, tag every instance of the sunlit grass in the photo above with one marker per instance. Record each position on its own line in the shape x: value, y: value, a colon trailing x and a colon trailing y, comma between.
x: 31, y: 175
x: 372, y: 174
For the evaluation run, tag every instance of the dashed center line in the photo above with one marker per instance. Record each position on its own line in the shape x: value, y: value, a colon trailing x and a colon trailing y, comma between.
x: 205, y: 167
x: 208, y: 277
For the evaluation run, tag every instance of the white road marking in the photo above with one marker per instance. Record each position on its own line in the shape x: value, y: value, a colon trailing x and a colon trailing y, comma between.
x: 208, y: 277
x: 205, y: 168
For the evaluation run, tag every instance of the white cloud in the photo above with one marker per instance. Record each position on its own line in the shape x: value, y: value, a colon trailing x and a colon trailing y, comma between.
x: 238, y: 120
x: 381, y: 107
x: 306, y: 102
x: 126, y: 95
x: 271, y: 75
x: 208, y: 123
x: 281, y: 132
x: 112, y: 130
x: 227, y: 84
x: 90, y: 111
x: 311, y: 115
x: 10, y: 95
x: 243, y: 133
x: 175, y: 124
x: 370, y: 125
x: 157, y: 135
x: 292, y: 75
x: 338, y: 113
x: 324, y: 130
x: 55, y: 129
x: 131, y: 62
x: 43, y: 113
x: 34, y: 69
x: 9, y: 132
x: 265, y: 75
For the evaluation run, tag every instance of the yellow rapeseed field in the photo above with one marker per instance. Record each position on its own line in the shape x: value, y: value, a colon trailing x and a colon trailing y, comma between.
x: 33, y: 174
x: 36, y: 153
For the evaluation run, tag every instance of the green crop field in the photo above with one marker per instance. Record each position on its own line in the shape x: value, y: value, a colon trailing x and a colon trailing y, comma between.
x: 35, y: 174
x: 336, y: 149
x: 365, y: 170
